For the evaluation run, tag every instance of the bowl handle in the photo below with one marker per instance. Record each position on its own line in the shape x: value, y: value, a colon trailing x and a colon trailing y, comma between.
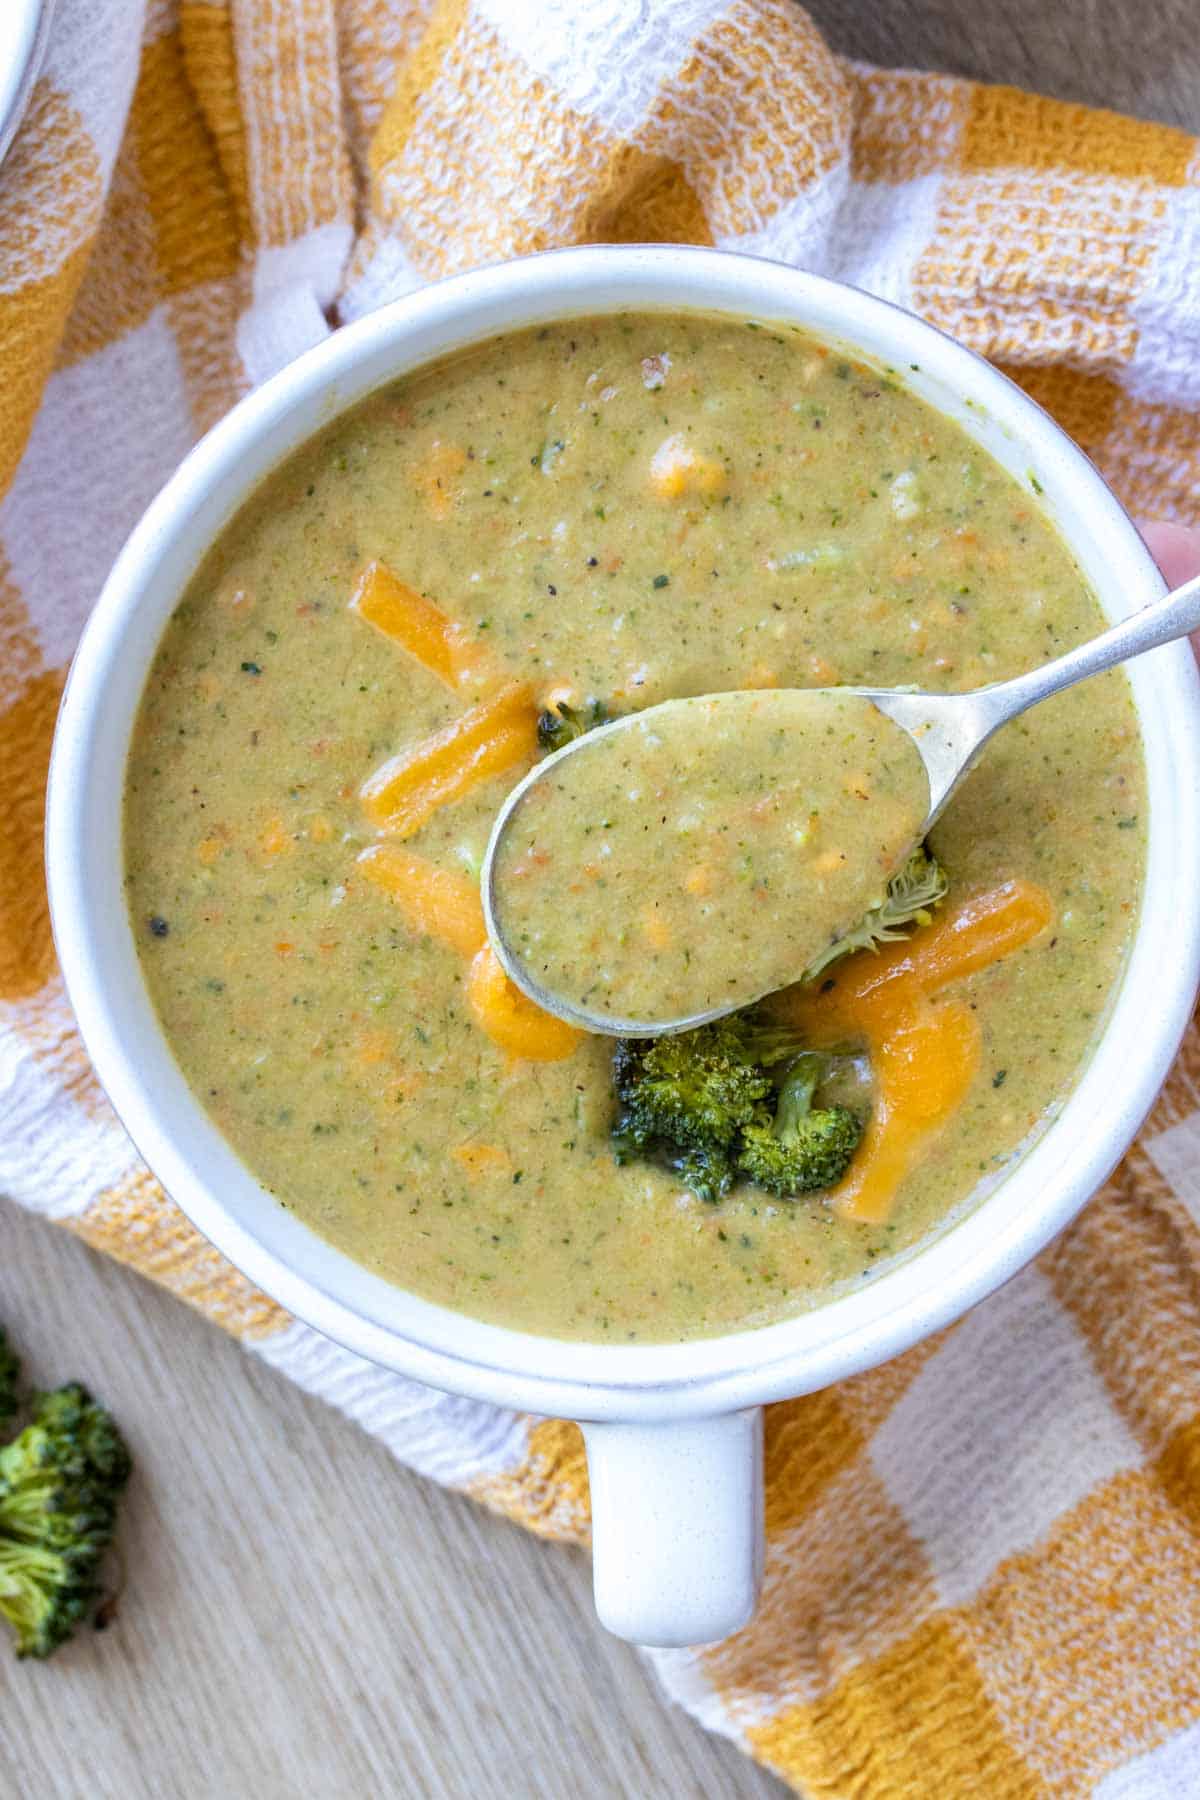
x: 677, y: 1526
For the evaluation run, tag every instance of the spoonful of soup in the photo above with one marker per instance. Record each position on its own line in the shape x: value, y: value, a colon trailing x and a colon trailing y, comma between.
x: 681, y: 863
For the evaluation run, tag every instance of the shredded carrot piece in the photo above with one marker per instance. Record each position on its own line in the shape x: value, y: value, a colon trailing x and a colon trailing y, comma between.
x: 513, y: 1021
x: 419, y: 626
x: 655, y: 930
x: 487, y: 740
x: 478, y: 1159
x: 924, y: 1056
x: 435, y: 477
x: 437, y: 903
x: 677, y: 469
x: 275, y: 840
x: 373, y: 1046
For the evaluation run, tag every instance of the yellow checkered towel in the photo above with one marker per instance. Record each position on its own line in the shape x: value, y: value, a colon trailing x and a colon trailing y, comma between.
x: 983, y: 1574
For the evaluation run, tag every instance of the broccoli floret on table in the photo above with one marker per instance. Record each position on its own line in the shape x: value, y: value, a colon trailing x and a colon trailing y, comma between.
x: 60, y: 1481
x: 912, y: 893
x: 561, y: 724
x: 802, y: 1148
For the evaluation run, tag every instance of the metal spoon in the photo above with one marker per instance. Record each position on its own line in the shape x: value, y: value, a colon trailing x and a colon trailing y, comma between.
x: 949, y: 731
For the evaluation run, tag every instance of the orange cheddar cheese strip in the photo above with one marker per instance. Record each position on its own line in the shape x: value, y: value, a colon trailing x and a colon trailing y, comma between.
x: 489, y: 739
x: 437, y: 903
x: 442, y: 904
x: 924, y: 1053
x: 419, y: 626
x: 924, y: 1061
x: 513, y: 1021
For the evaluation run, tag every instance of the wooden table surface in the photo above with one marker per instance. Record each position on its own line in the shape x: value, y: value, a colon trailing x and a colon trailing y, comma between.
x: 302, y: 1616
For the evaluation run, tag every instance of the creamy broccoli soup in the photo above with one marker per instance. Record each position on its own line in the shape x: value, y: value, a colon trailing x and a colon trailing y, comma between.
x: 484, y: 558
x: 724, y: 842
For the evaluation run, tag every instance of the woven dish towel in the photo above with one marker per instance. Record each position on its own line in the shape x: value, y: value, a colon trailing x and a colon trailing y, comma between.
x: 984, y: 1572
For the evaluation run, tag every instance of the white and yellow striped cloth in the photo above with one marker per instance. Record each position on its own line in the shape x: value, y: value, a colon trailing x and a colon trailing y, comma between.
x: 984, y: 1569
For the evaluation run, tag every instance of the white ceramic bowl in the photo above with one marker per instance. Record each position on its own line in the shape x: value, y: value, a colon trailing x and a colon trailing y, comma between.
x: 673, y: 1430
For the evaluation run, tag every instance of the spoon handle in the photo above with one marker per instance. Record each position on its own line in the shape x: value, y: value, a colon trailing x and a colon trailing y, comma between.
x: 1161, y: 622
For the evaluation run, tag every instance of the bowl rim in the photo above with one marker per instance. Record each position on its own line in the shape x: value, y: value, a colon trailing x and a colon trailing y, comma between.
x: 323, y: 1288
x: 24, y: 38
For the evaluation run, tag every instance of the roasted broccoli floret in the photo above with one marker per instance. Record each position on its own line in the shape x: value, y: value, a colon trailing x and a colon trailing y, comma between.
x: 60, y: 1481
x: 705, y: 1104
x: 911, y: 895
x: 10, y: 1369
x: 802, y: 1148
x: 561, y: 724
x: 696, y: 1088
x: 708, y: 1171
